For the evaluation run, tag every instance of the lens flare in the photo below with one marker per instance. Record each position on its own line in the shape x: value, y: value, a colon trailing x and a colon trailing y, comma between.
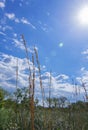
x: 61, y: 44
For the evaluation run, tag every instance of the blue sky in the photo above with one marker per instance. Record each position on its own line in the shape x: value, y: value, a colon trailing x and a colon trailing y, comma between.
x: 53, y: 27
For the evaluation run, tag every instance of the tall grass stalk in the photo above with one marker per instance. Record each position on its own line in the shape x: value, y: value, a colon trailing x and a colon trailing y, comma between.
x: 50, y: 78
x: 42, y: 89
x: 40, y: 78
x: 50, y: 82
x: 31, y: 85
x: 16, y: 88
x: 32, y: 96
x: 85, y: 90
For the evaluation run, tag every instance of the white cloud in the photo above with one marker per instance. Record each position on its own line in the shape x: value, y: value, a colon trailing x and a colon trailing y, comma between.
x: 10, y: 16
x: 84, y: 75
x: 83, y: 68
x: 2, y: 33
x: 15, y: 35
x: 6, y: 27
x: 20, y: 4
x: 44, y: 27
x: 2, y: 4
x: 24, y: 2
x: 22, y: 20
x: 83, y: 80
x: 18, y: 43
x: 85, y: 52
x: 8, y: 71
x: 62, y: 77
x: 8, y: 65
x: 58, y: 88
x: 25, y: 21
x: 17, y: 20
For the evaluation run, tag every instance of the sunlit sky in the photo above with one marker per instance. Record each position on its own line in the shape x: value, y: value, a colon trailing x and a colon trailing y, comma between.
x: 58, y: 28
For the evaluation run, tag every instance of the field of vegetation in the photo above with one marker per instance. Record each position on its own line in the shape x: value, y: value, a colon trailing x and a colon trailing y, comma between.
x: 20, y: 110
x: 17, y: 114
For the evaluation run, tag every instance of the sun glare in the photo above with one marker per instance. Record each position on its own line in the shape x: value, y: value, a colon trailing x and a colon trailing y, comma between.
x: 83, y: 15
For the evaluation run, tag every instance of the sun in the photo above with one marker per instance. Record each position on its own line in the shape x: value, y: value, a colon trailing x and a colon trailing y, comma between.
x: 83, y: 15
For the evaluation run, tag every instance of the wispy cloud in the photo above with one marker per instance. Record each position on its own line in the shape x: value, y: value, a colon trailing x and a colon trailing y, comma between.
x: 85, y: 52
x: 17, y: 20
x: 22, y: 20
x: 2, y: 33
x: 44, y: 27
x: 10, y: 16
x: 25, y: 21
x: 2, y: 4
x: 83, y: 81
x: 15, y: 35
x: 84, y: 75
x: 18, y: 43
x: 24, y: 2
x: 6, y: 27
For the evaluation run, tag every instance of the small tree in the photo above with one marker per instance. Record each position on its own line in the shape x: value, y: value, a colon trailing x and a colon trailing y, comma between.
x: 62, y: 101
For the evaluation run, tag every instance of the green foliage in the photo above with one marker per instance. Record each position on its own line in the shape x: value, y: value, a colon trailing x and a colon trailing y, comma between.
x: 3, y: 95
x: 56, y: 102
x: 15, y: 113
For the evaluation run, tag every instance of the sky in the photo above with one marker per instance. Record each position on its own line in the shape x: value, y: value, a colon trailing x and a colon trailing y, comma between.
x: 59, y: 32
